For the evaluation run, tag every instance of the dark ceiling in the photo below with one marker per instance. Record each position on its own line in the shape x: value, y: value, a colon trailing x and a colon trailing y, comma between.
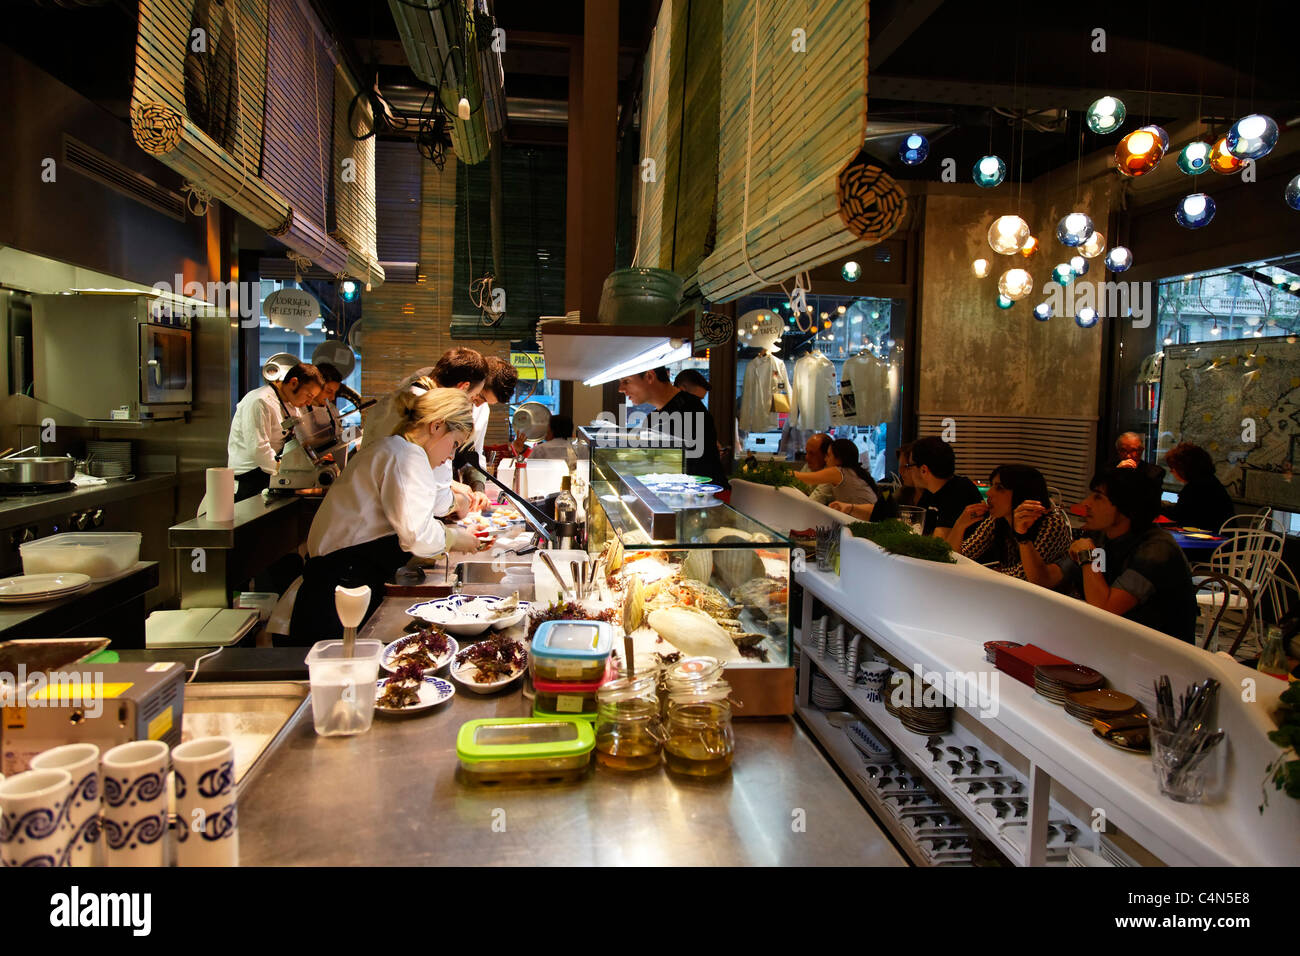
x: 946, y: 62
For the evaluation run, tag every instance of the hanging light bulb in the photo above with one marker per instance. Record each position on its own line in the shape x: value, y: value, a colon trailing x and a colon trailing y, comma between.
x: 840, y: 309
x: 989, y: 172
x: 1016, y: 284
x: 1195, y: 158
x: 980, y: 267
x: 1044, y: 311
x: 1252, y: 137
x: 462, y: 108
x: 1063, y: 274
x: 1215, y: 330
x: 1168, y: 340
x: 1119, y: 259
x: 1073, y: 230
x: 851, y: 271
x: 1106, y: 115
x: 1093, y: 246
x: 1086, y: 318
x: 825, y: 314
x: 1008, y: 234
x: 875, y: 315
x: 913, y: 149
x: 826, y: 324
x: 1078, y: 265
x: 1005, y: 302
x: 1222, y: 161
x: 1138, y: 153
x: 1194, y: 211
x: 1291, y: 195
x: 1029, y: 248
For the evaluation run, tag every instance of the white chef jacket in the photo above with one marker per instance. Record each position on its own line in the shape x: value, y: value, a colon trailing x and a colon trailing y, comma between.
x: 869, y: 378
x: 756, y: 413
x: 481, y: 415
x: 389, y: 489
x: 814, y: 379
x: 382, y: 418
x: 256, y: 437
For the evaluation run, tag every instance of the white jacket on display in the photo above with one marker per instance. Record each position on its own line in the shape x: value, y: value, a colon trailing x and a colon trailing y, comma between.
x: 814, y: 381
x: 869, y: 378
x: 761, y: 374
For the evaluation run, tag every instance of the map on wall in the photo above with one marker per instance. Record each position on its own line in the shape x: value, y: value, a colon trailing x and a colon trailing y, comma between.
x: 1240, y: 401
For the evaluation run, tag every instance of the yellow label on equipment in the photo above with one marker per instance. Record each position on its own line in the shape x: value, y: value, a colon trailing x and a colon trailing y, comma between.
x: 15, y: 718
x: 67, y: 690
x: 159, y: 726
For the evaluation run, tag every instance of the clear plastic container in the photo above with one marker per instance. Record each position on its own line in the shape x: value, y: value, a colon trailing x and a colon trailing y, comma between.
x: 571, y: 651
x: 99, y: 554
x: 565, y: 697
x: 629, y: 736
x: 524, y: 750
x: 343, y: 688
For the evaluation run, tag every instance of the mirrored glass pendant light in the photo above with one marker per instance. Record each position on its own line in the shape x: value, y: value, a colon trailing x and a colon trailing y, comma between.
x: 1004, y: 302
x: 1119, y: 259
x: 1195, y: 158
x: 1008, y: 235
x: 1138, y: 153
x: 980, y: 267
x: 1094, y: 246
x: 1222, y: 161
x: 1252, y: 137
x: 913, y: 149
x: 1044, y: 311
x: 1291, y: 195
x: 851, y: 271
x: 1078, y: 265
x: 1194, y: 211
x: 1073, y: 230
x: 1063, y: 274
x: 989, y: 171
x: 1106, y: 114
x: 1086, y: 318
x: 1016, y: 284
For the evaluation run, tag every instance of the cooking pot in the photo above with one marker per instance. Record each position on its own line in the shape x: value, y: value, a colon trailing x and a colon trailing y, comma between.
x: 44, y: 470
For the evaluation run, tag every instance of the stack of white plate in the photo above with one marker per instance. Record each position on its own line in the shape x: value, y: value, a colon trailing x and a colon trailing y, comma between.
x: 1081, y: 856
x: 33, y: 588
x: 824, y: 694
x: 1112, y: 854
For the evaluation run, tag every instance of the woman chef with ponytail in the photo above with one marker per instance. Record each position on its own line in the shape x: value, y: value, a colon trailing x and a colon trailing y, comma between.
x: 381, y: 511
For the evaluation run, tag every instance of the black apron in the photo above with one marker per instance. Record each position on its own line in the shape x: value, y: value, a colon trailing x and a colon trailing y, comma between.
x: 372, y: 564
x: 252, y: 483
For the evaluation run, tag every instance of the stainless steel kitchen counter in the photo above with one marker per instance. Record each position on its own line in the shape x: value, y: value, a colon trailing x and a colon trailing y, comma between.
x: 22, y: 509
x: 393, y: 797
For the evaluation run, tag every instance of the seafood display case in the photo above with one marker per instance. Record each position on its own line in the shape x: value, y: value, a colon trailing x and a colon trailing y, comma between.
x: 714, y: 581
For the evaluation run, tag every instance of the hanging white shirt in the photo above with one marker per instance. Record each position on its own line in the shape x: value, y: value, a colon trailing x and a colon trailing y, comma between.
x: 382, y: 418
x: 761, y: 375
x: 869, y: 378
x: 256, y: 435
x: 388, y: 490
x: 814, y: 379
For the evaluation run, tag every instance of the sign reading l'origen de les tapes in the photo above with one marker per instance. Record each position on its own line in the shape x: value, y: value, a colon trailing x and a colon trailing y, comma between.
x: 292, y: 309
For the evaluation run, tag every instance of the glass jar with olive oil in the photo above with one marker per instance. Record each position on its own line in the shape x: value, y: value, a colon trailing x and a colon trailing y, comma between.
x: 629, y: 735
x: 700, y: 739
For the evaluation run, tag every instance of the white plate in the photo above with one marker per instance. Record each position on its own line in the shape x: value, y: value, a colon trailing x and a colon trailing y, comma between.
x: 441, y: 661
x: 433, y: 691
x: 463, y: 674
x: 29, y: 588
x: 447, y: 612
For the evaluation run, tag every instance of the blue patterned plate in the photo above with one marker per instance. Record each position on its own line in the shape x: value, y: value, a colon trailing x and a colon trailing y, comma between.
x: 466, y: 615
x: 433, y: 691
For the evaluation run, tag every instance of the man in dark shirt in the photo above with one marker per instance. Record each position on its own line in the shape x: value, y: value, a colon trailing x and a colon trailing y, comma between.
x: 1129, y: 449
x: 681, y: 415
x: 946, y: 494
x: 1126, y: 564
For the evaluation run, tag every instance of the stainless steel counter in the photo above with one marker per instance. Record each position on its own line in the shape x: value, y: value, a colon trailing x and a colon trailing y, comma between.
x: 392, y: 796
x: 24, y: 509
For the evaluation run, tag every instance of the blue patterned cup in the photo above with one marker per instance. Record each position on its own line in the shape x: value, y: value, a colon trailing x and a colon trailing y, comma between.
x: 82, y: 761
x: 207, y: 827
x: 33, y: 818
x: 135, y: 804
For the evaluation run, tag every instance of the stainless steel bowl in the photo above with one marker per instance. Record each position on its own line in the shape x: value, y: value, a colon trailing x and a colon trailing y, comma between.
x: 44, y: 470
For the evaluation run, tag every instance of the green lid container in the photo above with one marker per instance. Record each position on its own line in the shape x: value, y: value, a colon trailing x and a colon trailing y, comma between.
x: 520, y: 750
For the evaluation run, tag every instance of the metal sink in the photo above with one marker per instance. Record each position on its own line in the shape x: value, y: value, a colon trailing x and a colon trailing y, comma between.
x: 255, y: 715
x: 489, y: 577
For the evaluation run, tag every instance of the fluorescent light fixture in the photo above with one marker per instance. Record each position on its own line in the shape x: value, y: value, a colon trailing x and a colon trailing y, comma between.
x: 667, y: 351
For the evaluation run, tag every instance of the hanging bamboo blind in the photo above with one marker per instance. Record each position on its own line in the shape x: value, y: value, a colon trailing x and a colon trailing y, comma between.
x: 187, y: 111
x: 785, y: 149
x: 654, y: 142
x: 354, y: 213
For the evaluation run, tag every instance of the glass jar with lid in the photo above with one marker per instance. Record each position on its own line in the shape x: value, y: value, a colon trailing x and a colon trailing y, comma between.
x: 688, y: 673
x: 629, y: 735
x: 700, y: 741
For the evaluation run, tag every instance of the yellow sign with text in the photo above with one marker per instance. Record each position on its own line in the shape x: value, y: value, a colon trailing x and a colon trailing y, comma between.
x: 529, y: 365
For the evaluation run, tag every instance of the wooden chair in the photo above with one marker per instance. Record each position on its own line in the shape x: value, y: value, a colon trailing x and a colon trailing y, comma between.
x: 1225, y: 594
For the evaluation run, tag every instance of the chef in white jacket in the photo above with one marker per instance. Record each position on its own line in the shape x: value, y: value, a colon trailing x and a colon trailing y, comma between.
x: 381, y: 511
x: 257, y: 435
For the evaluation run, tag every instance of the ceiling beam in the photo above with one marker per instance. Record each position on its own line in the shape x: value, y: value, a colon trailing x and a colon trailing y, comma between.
x: 907, y: 18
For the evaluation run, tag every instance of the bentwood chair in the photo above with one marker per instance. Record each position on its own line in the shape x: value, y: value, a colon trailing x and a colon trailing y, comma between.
x: 1250, y: 557
x: 1223, y: 592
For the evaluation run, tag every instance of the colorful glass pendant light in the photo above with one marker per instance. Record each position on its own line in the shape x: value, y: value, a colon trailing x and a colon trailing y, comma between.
x: 1008, y: 235
x: 980, y: 267
x: 1222, y: 161
x: 1063, y: 274
x: 1291, y: 195
x: 1106, y: 114
x: 913, y: 149
x: 1079, y: 265
x: 1073, y: 230
x: 1119, y: 259
x: 1086, y: 318
x: 1195, y: 158
x: 1016, y: 283
x: 1030, y: 248
x: 1159, y: 133
x: 989, y: 171
x: 1004, y: 302
x: 1138, y: 153
x: 1252, y: 137
x: 850, y: 271
x: 1194, y: 211
x: 1044, y: 311
x: 1094, y: 246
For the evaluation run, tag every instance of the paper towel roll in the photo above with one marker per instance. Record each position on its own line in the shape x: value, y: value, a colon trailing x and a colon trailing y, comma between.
x: 221, y: 494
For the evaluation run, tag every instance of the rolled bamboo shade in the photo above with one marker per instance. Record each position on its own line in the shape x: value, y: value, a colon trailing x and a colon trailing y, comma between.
x: 353, y: 220
x: 654, y: 142
x: 781, y: 155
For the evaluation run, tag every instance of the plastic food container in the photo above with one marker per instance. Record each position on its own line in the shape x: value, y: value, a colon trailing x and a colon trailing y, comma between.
x: 524, y: 750
x: 565, y: 697
x: 571, y: 651
x: 98, y: 554
x: 343, y: 688
x: 588, y: 716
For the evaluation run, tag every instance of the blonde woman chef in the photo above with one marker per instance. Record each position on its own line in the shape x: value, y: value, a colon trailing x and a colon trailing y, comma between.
x: 383, y: 510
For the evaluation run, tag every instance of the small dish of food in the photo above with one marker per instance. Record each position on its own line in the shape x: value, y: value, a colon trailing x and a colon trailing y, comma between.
x: 490, y: 665
x: 411, y: 691
x: 430, y: 648
x: 466, y: 615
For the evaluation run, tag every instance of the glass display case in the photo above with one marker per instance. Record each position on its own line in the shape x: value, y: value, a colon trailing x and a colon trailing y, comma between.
x: 711, y: 557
